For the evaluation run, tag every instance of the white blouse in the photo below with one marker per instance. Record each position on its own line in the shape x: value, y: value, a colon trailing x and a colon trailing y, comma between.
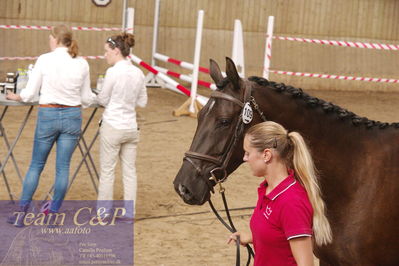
x: 123, y: 90
x: 60, y: 79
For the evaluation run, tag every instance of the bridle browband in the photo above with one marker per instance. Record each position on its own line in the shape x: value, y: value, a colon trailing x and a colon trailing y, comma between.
x: 221, y: 164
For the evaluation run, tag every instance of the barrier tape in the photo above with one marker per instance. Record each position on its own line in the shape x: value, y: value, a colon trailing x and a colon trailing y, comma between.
x: 378, y: 46
x: 25, y: 27
x: 36, y: 57
x: 340, y: 77
x: 210, y: 85
x: 18, y: 58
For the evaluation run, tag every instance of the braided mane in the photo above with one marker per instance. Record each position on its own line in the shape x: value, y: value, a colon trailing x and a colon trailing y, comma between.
x: 326, y: 106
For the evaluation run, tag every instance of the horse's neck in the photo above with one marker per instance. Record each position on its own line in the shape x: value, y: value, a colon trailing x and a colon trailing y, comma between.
x: 295, y: 115
x: 331, y: 140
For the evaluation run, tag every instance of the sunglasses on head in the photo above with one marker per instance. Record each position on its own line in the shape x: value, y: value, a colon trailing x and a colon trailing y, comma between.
x: 109, y: 40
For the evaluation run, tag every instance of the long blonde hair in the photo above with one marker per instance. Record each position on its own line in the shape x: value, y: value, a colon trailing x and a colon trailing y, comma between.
x: 63, y: 35
x: 293, y: 150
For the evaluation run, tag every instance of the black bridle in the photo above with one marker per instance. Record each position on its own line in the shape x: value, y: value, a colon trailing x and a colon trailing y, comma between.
x: 221, y: 164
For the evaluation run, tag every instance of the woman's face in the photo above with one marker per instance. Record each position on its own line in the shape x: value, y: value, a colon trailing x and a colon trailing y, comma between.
x: 111, y: 55
x: 52, y: 42
x: 254, y: 158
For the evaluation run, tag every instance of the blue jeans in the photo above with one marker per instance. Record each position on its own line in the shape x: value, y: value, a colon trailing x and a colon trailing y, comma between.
x: 54, y: 125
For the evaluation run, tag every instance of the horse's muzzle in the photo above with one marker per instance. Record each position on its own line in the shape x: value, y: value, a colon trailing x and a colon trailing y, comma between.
x: 189, y: 197
x: 190, y: 185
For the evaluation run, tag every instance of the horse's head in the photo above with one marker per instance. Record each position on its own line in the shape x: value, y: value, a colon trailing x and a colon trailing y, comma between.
x: 216, y: 150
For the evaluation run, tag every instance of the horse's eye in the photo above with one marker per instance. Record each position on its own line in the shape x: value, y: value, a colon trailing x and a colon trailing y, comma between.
x: 224, y: 122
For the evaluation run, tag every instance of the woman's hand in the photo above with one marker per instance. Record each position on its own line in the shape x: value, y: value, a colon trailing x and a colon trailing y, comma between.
x: 12, y: 96
x: 245, y: 238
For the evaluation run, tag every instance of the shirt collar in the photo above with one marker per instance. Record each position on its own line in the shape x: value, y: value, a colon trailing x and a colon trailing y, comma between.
x: 122, y: 62
x: 61, y: 49
x: 281, y: 188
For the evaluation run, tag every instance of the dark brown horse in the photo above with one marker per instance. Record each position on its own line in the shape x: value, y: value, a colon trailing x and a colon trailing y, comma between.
x: 358, y: 162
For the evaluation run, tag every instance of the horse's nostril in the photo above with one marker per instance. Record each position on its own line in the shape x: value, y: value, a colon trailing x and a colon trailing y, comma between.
x: 184, y: 192
x: 182, y: 189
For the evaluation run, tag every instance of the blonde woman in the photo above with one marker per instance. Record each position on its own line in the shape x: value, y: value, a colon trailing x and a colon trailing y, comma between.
x: 289, y: 211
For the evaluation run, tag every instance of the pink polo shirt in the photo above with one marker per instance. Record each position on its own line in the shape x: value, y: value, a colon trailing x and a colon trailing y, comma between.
x: 283, y: 214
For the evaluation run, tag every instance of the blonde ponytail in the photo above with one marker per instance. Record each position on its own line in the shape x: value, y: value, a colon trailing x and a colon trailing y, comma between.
x: 306, y: 172
x: 294, y: 152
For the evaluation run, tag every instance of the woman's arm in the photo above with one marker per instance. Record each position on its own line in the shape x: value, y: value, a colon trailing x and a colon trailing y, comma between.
x: 302, y: 250
x: 105, y: 94
x: 142, y: 95
x: 35, y: 81
x: 86, y: 95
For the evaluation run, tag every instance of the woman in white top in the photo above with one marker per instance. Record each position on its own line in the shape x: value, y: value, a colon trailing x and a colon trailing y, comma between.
x: 64, y: 83
x: 123, y: 90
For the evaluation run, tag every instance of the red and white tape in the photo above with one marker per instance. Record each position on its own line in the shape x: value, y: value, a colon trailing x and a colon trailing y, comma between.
x: 185, y: 77
x: 35, y: 57
x: 28, y: 27
x: 340, y: 77
x: 378, y: 46
x: 18, y: 58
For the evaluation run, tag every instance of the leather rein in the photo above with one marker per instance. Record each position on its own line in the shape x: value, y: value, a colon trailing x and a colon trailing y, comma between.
x: 222, y: 163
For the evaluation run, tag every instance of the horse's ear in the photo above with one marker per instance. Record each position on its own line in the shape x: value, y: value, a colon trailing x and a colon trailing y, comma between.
x: 215, y: 72
x: 232, y: 74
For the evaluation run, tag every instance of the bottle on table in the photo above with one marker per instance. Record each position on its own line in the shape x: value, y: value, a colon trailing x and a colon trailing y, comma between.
x: 22, y: 80
x: 100, y: 81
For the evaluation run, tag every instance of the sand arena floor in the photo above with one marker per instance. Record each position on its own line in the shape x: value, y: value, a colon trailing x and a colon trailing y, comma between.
x: 167, y: 231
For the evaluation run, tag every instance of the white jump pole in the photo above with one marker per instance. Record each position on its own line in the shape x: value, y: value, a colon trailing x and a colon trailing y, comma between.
x: 197, y: 55
x: 124, y: 10
x: 238, y: 48
x: 168, y: 81
x: 268, y: 47
x: 151, y: 79
x: 130, y: 20
x: 155, y: 32
x: 184, y: 77
x: 201, y: 99
x: 183, y: 64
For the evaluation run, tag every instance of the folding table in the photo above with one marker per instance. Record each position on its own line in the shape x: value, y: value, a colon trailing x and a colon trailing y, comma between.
x: 10, y: 147
x: 83, y: 147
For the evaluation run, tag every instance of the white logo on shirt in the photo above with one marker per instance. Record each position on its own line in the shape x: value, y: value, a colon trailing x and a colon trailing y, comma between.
x: 267, y: 212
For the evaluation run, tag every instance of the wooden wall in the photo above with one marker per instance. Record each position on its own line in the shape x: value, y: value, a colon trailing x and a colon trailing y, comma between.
x: 351, y: 20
